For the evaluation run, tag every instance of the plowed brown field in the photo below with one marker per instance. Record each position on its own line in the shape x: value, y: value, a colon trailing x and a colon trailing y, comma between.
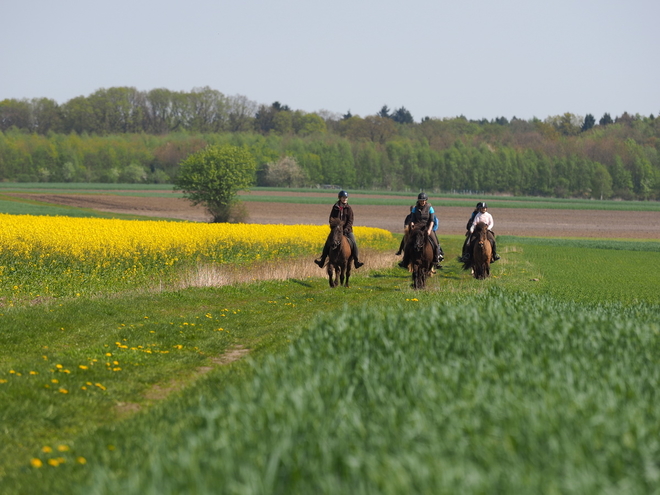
x: 508, y: 221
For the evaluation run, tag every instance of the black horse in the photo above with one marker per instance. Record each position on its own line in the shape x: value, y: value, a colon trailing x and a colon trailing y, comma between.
x: 419, y: 251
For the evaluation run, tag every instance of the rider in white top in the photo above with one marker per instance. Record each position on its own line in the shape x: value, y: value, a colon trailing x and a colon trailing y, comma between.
x: 484, y: 217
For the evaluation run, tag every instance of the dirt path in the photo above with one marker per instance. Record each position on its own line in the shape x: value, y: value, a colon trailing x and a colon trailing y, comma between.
x: 508, y: 221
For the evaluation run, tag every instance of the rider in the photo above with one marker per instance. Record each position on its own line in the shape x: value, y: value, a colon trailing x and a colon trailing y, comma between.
x: 343, y: 211
x: 423, y: 213
x: 484, y: 217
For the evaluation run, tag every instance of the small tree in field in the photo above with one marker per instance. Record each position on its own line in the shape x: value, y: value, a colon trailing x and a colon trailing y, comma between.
x: 212, y: 177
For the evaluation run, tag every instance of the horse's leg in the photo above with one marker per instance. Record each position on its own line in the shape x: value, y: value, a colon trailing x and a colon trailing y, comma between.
x: 331, y: 271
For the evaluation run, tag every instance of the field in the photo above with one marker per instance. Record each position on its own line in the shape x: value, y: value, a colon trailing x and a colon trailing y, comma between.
x: 259, y: 378
x: 538, y: 218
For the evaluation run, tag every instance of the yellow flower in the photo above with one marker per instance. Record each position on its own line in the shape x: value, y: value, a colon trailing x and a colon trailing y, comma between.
x: 46, y: 449
x: 63, y: 391
x: 53, y: 462
x: 62, y: 448
x: 83, y: 367
x: 81, y: 460
x: 36, y: 463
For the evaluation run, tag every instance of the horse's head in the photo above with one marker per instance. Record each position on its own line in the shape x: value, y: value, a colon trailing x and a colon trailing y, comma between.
x: 419, y: 237
x: 481, y: 231
x: 337, y: 227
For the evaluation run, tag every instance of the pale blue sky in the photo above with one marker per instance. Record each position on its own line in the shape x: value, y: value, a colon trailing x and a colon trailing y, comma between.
x: 442, y: 58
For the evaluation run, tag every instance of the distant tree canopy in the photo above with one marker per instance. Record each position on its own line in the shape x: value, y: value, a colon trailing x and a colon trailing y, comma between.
x: 125, y: 135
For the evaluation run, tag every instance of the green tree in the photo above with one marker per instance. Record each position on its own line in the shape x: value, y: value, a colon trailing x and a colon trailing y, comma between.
x: 589, y: 122
x: 402, y: 116
x: 212, y: 177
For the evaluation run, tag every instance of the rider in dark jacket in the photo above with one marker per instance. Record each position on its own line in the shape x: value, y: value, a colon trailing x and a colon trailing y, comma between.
x: 343, y: 211
x: 424, y: 214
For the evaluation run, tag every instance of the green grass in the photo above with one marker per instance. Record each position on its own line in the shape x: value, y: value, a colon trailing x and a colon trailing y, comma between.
x: 499, y: 393
x: 505, y: 385
x: 590, y: 270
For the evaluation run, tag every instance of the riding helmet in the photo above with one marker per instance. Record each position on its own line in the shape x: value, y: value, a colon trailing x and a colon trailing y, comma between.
x: 423, y: 196
x: 482, y: 205
x: 479, y: 205
x: 342, y: 194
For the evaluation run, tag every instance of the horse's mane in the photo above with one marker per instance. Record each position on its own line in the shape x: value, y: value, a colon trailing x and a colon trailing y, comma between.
x: 480, y: 227
x: 334, y: 222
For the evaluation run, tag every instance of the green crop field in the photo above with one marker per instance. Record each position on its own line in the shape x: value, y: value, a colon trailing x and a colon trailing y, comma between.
x: 541, y: 379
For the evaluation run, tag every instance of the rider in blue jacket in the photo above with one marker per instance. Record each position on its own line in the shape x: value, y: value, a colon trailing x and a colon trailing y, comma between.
x: 424, y: 214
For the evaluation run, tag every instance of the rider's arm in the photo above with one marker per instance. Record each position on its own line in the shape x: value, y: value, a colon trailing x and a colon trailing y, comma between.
x: 348, y: 224
x: 476, y: 220
x: 431, y: 221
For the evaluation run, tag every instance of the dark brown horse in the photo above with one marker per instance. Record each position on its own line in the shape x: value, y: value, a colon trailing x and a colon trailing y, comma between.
x: 420, y: 254
x: 340, y: 257
x: 481, y: 252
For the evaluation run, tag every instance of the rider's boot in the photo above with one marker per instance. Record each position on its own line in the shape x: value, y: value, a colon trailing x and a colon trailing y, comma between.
x: 398, y: 253
x: 357, y: 263
x: 495, y: 255
x: 320, y: 262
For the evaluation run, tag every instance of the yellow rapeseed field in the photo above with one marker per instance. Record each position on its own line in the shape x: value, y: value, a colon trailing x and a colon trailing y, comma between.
x: 42, y: 255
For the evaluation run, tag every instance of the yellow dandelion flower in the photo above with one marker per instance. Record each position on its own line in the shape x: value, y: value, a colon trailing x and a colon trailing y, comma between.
x: 63, y: 391
x: 81, y: 460
x: 83, y: 367
x: 54, y: 381
x: 46, y: 449
x: 53, y: 462
x: 36, y: 463
x: 62, y: 448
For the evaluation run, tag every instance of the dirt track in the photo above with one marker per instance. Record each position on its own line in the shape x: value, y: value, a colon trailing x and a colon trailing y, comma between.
x: 508, y: 221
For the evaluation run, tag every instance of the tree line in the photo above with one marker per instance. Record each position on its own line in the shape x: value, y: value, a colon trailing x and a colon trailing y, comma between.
x: 125, y: 135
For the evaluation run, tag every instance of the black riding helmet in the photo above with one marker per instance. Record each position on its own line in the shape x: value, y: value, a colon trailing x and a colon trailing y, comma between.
x: 483, y: 205
x: 342, y: 194
x: 422, y: 196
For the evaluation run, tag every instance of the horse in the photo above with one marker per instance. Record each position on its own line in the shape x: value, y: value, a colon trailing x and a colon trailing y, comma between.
x: 340, y: 256
x: 481, y: 253
x: 420, y: 254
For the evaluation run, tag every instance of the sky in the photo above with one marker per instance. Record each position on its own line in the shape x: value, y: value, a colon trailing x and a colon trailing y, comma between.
x: 437, y: 58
